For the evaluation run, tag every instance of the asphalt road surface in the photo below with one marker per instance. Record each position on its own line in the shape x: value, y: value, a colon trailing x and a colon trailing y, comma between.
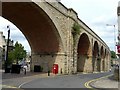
x: 71, y: 81
x: 63, y: 81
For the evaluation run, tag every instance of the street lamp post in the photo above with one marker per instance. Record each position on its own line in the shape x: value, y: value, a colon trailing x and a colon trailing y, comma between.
x: 114, y: 36
x: 6, y: 61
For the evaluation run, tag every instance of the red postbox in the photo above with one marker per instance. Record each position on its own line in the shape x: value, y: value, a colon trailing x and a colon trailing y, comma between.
x: 55, y: 68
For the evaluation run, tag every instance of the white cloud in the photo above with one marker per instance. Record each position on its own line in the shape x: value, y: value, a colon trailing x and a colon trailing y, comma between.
x: 26, y: 45
x: 96, y: 14
x: 15, y: 33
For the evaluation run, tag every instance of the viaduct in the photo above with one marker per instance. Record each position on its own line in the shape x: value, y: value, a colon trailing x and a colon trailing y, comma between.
x: 50, y: 30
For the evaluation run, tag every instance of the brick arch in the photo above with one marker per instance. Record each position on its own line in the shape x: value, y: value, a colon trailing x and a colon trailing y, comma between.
x: 105, y: 53
x: 102, y: 57
x: 104, y: 60
x: 102, y: 52
x: 107, y: 60
x: 95, y: 56
x: 50, y: 22
x: 38, y: 28
x: 35, y: 24
x: 83, y: 51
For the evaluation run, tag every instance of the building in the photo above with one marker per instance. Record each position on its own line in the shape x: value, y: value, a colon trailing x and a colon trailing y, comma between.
x: 118, y: 44
x: 2, y: 40
x: 1, y: 57
x: 3, y: 47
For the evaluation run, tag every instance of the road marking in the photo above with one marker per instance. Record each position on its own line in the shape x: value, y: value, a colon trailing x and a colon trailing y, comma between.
x: 87, y: 84
x: 23, y: 84
x: 6, y: 86
x: 31, y: 79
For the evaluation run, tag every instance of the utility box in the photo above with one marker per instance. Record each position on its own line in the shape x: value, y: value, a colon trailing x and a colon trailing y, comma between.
x: 16, y: 68
x: 55, y: 69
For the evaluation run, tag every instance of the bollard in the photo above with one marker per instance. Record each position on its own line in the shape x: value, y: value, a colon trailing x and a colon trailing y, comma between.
x: 61, y: 70
x: 48, y: 73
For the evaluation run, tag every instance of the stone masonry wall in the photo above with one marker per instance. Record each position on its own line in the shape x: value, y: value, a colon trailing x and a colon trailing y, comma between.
x: 64, y: 19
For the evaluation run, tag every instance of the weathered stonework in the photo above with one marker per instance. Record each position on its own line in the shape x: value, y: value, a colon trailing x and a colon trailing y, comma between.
x: 56, y: 18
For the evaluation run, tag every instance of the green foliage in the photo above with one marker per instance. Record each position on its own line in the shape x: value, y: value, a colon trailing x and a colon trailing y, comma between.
x: 75, y: 29
x: 75, y: 32
x: 17, y: 54
x: 113, y: 55
x: 10, y: 57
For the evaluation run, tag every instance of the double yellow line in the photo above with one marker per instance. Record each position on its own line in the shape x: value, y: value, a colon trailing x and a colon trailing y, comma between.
x: 87, y: 84
x: 6, y: 86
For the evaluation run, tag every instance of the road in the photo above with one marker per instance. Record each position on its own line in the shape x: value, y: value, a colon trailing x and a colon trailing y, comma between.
x: 72, y: 81
x: 63, y: 81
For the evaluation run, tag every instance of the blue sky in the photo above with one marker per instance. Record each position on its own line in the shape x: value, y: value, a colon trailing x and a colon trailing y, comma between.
x: 95, y: 13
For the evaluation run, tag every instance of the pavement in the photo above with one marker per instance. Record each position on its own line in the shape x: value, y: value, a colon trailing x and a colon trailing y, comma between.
x: 104, y: 82
x: 28, y: 74
x: 11, y: 80
x: 107, y: 82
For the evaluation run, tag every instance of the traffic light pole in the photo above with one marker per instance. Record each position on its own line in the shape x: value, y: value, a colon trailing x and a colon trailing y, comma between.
x: 114, y: 37
x: 6, y: 61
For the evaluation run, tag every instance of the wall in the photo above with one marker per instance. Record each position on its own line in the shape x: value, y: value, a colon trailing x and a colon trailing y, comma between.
x: 47, y: 61
x: 63, y: 20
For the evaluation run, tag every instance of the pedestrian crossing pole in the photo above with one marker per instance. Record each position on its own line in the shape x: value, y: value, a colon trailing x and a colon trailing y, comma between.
x: 6, y: 61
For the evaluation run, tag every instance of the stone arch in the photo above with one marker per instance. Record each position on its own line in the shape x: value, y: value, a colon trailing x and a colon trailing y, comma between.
x: 38, y: 28
x: 95, y: 56
x: 83, y: 51
x: 105, y: 61
x: 34, y: 20
x: 102, y: 58
x: 108, y: 60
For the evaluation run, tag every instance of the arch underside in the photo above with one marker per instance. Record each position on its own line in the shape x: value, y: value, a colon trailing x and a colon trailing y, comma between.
x: 102, y: 59
x: 96, y: 59
x: 34, y: 24
x: 83, y: 52
x: 38, y: 28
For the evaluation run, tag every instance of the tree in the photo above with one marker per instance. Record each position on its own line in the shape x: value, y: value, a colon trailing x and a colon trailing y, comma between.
x: 17, y: 54
x: 75, y: 29
x: 10, y: 57
x: 113, y: 55
x: 75, y: 32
